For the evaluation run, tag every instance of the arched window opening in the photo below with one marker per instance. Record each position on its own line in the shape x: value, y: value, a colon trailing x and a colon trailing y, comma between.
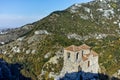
x: 77, y: 56
x: 68, y: 55
x: 88, y: 63
x: 82, y: 52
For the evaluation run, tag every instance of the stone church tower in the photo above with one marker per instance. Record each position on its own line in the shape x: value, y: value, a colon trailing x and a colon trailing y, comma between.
x: 80, y: 58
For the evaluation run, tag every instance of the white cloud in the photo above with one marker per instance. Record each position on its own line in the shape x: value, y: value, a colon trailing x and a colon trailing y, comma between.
x: 11, y: 21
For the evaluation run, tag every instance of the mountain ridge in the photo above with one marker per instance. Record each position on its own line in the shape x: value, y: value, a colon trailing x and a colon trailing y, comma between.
x: 96, y: 23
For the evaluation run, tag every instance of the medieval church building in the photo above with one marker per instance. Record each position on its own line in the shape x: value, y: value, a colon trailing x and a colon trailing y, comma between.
x: 80, y: 58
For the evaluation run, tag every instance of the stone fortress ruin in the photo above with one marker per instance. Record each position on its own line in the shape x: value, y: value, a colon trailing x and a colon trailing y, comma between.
x: 80, y: 58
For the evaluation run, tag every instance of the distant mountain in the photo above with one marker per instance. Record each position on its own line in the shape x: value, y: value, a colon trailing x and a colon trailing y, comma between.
x: 38, y: 46
x: 10, y: 34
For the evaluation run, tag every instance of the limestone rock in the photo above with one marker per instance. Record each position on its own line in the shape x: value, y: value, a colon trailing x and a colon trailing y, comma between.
x: 41, y: 32
x: 53, y: 60
x: 87, y: 9
x: 108, y: 13
x: 16, y: 49
x: 28, y: 51
x: 118, y: 72
x: 47, y: 55
x: 33, y: 51
x: 20, y: 39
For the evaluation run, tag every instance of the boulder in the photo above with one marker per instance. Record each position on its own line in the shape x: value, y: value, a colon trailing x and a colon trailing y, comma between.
x: 28, y: 51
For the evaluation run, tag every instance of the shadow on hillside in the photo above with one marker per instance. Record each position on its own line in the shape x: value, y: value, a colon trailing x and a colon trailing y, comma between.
x: 11, y: 71
x: 86, y: 76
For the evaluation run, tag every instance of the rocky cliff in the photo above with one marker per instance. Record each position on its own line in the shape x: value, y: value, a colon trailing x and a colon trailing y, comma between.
x: 11, y: 71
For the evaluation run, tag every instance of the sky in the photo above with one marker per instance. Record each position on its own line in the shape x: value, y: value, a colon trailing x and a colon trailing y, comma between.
x: 16, y: 13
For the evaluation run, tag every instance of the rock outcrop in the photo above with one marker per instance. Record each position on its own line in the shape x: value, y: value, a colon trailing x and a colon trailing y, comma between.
x: 11, y: 71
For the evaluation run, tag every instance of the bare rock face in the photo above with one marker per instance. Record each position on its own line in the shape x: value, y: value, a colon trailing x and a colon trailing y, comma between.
x: 119, y: 72
x: 47, y: 55
x: 28, y: 51
x: 21, y: 38
x: 33, y: 51
x: 16, y: 49
x: 41, y: 32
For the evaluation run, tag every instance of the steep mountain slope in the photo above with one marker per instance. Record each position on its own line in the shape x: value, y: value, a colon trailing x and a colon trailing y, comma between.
x: 39, y: 48
x: 8, y: 35
x: 84, y: 19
